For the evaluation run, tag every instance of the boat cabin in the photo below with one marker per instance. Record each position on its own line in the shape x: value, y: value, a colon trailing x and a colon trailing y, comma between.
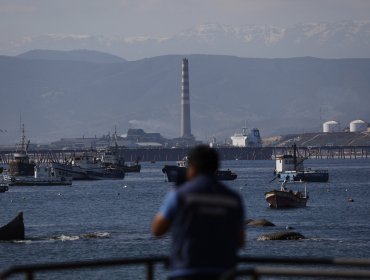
x: 287, y: 163
x: 183, y: 163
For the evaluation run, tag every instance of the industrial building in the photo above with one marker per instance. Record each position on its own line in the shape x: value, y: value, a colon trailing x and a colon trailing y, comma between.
x: 358, y: 126
x: 331, y: 126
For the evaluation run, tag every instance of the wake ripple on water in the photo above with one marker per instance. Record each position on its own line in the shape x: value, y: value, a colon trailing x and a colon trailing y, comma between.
x: 65, y: 237
x: 90, y: 235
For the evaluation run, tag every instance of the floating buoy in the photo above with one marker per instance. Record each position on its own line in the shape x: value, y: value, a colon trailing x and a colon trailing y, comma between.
x: 350, y: 199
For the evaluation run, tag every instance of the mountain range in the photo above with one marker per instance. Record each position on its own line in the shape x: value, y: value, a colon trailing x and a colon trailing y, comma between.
x: 83, y: 93
x: 348, y: 38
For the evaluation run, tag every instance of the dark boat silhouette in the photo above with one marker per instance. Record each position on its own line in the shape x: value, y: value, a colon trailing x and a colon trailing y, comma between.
x: 177, y: 173
x: 14, y: 230
x: 21, y: 165
x: 135, y: 167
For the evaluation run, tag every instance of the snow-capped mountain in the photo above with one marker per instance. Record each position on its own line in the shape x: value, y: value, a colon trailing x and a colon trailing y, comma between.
x: 328, y: 40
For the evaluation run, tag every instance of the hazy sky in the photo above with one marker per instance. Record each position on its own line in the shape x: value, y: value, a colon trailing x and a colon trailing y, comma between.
x: 19, y: 18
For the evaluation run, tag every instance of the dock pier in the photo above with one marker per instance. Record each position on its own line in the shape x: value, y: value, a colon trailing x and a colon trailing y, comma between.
x: 327, y: 152
x: 226, y: 153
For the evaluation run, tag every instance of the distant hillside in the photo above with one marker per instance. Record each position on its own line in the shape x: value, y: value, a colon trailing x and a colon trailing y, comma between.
x: 74, y: 55
x: 64, y: 98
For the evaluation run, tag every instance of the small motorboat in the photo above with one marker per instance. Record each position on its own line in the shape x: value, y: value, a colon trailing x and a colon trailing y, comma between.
x: 177, y: 173
x: 14, y: 230
x: 285, y: 198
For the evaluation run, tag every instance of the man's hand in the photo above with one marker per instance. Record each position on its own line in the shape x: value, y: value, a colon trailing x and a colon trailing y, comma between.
x: 160, y: 225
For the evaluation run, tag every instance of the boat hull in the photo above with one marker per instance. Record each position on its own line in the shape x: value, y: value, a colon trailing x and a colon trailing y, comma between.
x: 113, y: 174
x: 318, y: 176
x: 14, y: 230
x: 30, y: 181
x: 21, y: 168
x: 78, y: 174
x: 132, y: 168
x: 284, y: 199
x: 177, y: 174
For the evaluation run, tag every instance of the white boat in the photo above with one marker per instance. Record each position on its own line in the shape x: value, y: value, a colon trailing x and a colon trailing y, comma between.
x: 45, y: 174
x: 291, y: 168
x: 245, y: 138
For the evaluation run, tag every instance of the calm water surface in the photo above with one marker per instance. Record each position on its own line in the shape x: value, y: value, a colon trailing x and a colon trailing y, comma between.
x: 111, y: 219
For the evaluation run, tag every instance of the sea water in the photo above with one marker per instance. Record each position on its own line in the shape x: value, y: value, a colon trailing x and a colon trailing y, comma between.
x: 111, y: 219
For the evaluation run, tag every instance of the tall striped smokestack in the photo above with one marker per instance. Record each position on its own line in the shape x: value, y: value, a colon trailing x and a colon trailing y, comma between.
x: 185, y: 101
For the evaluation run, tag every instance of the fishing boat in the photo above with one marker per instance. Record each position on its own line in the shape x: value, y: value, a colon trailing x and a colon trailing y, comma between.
x: 45, y: 174
x: 112, y: 158
x: 177, y: 173
x: 285, y: 198
x: 14, y: 230
x: 4, y: 185
x: 78, y: 165
x: 20, y: 164
x: 89, y: 167
x: 290, y: 167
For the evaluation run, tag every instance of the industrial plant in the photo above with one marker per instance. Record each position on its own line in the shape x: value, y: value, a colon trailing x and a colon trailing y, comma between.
x: 354, y: 126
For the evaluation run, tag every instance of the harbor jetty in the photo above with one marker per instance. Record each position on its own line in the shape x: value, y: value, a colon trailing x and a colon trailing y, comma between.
x: 151, y: 154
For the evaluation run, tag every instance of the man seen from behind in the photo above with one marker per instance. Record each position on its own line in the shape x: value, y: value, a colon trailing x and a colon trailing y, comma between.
x: 206, y: 220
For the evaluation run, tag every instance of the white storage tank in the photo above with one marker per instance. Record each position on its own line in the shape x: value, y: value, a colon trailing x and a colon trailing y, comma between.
x: 357, y: 126
x: 330, y: 126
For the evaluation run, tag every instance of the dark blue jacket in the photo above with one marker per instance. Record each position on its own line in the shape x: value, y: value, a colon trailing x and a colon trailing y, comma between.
x: 206, y: 227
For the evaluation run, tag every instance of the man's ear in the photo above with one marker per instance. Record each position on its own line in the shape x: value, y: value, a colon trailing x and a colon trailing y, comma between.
x: 191, y: 172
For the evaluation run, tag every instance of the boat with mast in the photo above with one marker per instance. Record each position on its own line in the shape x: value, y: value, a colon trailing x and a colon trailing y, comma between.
x: 112, y: 158
x: 290, y: 167
x: 285, y: 198
x: 21, y: 165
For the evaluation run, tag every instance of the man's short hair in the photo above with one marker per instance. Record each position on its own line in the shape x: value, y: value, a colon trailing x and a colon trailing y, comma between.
x: 204, y: 159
